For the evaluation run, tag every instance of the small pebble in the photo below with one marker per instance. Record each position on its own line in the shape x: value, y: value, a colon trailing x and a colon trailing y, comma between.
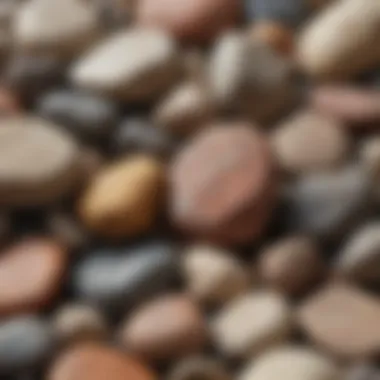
x: 291, y: 265
x: 25, y: 342
x: 197, y: 21
x: 223, y: 184
x: 165, y: 328
x: 212, y: 275
x: 9, y: 103
x: 119, y: 279
x: 324, y: 319
x: 74, y: 322
x: 252, y: 323
x: 31, y: 275
x: 97, y: 362
x: 363, y: 371
x: 291, y: 363
x: 123, y: 199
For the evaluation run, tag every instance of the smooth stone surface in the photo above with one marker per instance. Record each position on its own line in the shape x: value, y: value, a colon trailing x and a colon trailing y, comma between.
x: 9, y: 103
x: 54, y: 26
x: 289, y: 12
x: 199, y: 367
x: 122, y: 278
x: 213, y: 275
x: 137, y: 134
x: 223, y: 184
x: 327, y: 203
x: 24, y: 342
x: 291, y: 363
x: 291, y: 265
x: 135, y: 64
x: 185, y: 109
x: 369, y: 156
x: 195, y: 21
x: 356, y: 337
x: 309, y: 141
x: 97, y: 362
x: 74, y: 322
x: 359, y: 258
x: 31, y: 275
x: 48, y: 167
x: 364, y: 371
x: 247, y: 75
x: 165, y: 328
x: 252, y: 323
x: 89, y: 116
x: 339, y: 42
x: 123, y: 199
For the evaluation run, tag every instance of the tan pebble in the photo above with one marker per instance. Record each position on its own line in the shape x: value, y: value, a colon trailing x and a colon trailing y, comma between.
x: 31, y: 275
x: 252, y: 323
x: 123, y: 199
x: 165, y: 328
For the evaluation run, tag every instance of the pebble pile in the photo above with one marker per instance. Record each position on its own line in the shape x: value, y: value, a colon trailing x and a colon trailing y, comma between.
x: 189, y: 190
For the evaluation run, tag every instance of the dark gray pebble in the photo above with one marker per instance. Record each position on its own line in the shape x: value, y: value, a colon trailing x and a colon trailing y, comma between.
x: 86, y: 115
x: 136, y: 134
x: 327, y: 203
x: 24, y: 342
x: 363, y: 372
x: 119, y: 279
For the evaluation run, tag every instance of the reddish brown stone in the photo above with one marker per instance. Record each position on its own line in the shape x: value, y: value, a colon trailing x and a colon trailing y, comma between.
x: 9, y: 104
x: 97, y: 362
x: 195, y: 20
x: 31, y: 274
x: 168, y: 327
x: 223, y: 184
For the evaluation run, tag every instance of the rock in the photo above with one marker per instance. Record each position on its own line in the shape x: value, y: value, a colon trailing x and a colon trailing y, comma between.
x: 24, y: 342
x: 90, y: 116
x: 350, y: 105
x: 119, y: 279
x: 339, y: 43
x: 309, y: 141
x: 363, y: 371
x: 185, y: 109
x: 288, y: 12
x: 326, y: 204
x: 136, y: 65
x: 252, y: 323
x: 227, y: 198
x: 213, y: 276
x: 9, y: 103
x: 277, y: 36
x: 123, y: 199
x: 323, y: 317
x: 360, y: 257
x: 248, y: 76
x: 369, y: 156
x: 168, y: 327
x: 291, y: 265
x: 136, y: 134
x: 75, y: 322
x: 198, y: 21
x: 199, y: 367
x: 291, y: 363
x: 47, y: 169
x: 96, y: 362
x: 54, y: 26
x: 41, y: 264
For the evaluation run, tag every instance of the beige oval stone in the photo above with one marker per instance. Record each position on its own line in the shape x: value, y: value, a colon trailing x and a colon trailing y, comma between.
x: 342, y: 320
x: 212, y: 275
x: 342, y: 40
x: 291, y: 363
x: 123, y: 199
x: 252, y: 323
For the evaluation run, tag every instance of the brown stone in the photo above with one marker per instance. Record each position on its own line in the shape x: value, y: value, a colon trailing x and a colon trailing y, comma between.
x: 196, y: 20
x: 223, y: 184
x: 348, y: 104
x: 122, y: 200
x: 165, y: 328
x: 31, y: 274
x: 291, y: 265
x: 97, y: 362
x: 9, y: 104
x: 342, y: 320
